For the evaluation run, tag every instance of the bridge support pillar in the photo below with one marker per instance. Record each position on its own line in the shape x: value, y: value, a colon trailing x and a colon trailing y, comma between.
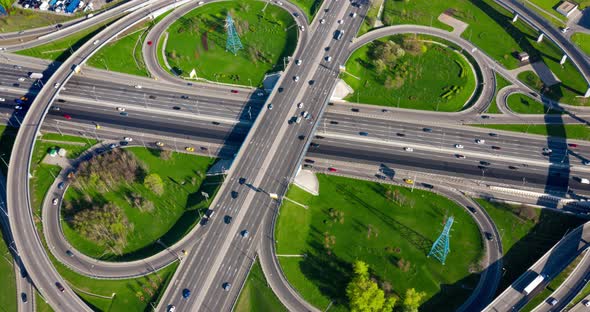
x: 587, y: 95
x: 540, y: 38
x: 563, y: 59
x: 515, y: 18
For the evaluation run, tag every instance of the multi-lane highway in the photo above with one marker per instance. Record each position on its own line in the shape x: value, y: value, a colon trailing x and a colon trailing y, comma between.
x: 272, y: 151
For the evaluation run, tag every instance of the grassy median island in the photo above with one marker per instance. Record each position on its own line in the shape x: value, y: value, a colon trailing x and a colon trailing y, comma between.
x: 583, y: 41
x: 310, y: 7
x: 522, y: 104
x: 198, y: 39
x: 257, y: 295
x: 390, y: 228
x: 491, y: 29
x: 8, y: 294
x: 122, y: 202
x: 409, y: 72
x: 22, y: 19
x: 527, y: 233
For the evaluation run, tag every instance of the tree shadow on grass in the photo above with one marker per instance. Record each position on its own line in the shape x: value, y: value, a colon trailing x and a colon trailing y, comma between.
x: 328, y: 272
x: 418, y: 240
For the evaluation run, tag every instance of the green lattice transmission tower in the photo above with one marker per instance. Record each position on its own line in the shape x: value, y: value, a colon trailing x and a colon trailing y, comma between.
x: 233, y: 43
x: 440, y: 249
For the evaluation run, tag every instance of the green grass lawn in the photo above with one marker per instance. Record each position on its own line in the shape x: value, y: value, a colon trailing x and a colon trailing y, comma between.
x: 492, y: 30
x: 123, y: 55
x: 398, y: 235
x: 577, y: 132
x: 61, y: 49
x: 257, y: 295
x: 175, y: 213
x: 197, y: 41
x: 583, y: 41
x: 501, y: 82
x: 524, y: 240
x: 428, y: 77
x: 522, y: 104
x: 126, y: 295
x: 8, y: 294
x: 310, y: 7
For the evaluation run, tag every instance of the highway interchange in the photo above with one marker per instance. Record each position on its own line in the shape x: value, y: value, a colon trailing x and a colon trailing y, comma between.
x: 334, y: 142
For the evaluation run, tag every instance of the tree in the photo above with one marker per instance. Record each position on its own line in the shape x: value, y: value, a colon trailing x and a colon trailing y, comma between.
x: 364, y: 295
x: 412, y: 300
x: 388, y: 82
x: 154, y: 183
x: 380, y: 66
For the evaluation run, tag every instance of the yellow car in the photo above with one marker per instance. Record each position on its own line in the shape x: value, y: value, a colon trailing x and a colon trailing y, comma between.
x: 160, y: 144
x: 409, y: 181
x: 189, y: 149
x: 97, y: 126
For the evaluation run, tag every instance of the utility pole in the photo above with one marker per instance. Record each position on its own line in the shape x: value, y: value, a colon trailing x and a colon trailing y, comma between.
x: 58, y: 129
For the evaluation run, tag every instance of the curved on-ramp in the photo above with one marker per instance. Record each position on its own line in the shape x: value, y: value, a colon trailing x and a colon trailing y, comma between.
x: 33, y: 254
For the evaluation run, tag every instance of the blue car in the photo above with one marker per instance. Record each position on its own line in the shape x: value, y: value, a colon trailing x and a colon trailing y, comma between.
x: 186, y: 293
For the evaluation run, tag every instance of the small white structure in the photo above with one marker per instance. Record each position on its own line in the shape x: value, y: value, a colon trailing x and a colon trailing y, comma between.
x: 566, y: 8
x: 523, y: 56
x: 62, y: 152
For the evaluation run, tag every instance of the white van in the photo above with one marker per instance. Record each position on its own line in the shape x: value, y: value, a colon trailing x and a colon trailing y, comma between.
x: 584, y: 180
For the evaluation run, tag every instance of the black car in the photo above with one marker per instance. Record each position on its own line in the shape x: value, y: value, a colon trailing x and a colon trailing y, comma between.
x: 333, y: 122
x: 485, y: 163
x: 307, y: 166
x: 227, y: 219
x: 472, y: 209
x: 152, y: 97
x: 356, y: 110
x: 60, y: 286
x: 493, y: 134
x: 242, y: 180
x: 301, y: 137
x: 176, y: 108
x: 427, y: 130
x: 123, y: 143
x: 314, y: 144
x: 234, y: 194
x: 184, y: 97
x: 428, y: 186
x: 488, y: 236
x: 309, y: 161
x: 23, y: 297
x: 399, y: 134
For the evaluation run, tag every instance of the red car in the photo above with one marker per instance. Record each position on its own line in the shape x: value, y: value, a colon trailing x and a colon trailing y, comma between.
x: 149, y: 43
x: 332, y: 169
x: 234, y: 91
x: 68, y: 117
x: 572, y: 145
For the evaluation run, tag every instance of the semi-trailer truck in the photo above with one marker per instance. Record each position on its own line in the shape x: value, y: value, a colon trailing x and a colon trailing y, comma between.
x: 534, y: 284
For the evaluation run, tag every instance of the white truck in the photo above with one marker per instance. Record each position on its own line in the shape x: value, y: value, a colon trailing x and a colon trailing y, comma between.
x: 534, y: 284
x: 36, y: 75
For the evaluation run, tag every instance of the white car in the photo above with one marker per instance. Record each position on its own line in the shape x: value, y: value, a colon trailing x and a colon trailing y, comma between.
x: 56, y: 85
x: 137, y: 86
x: 458, y: 146
x: 340, y: 22
x: 128, y: 139
x: 300, y: 105
x: 96, y: 42
x: 298, y: 62
x: 54, y: 201
x: 302, y: 28
x: 480, y: 141
x: 547, y: 150
x: 21, y: 79
x: 2, y: 99
x: 564, y: 30
x: 296, y: 78
x: 322, y: 21
x: 408, y: 149
x: 121, y: 109
x: 18, y: 107
x: 328, y: 58
x: 587, y: 303
x: 260, y: 93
